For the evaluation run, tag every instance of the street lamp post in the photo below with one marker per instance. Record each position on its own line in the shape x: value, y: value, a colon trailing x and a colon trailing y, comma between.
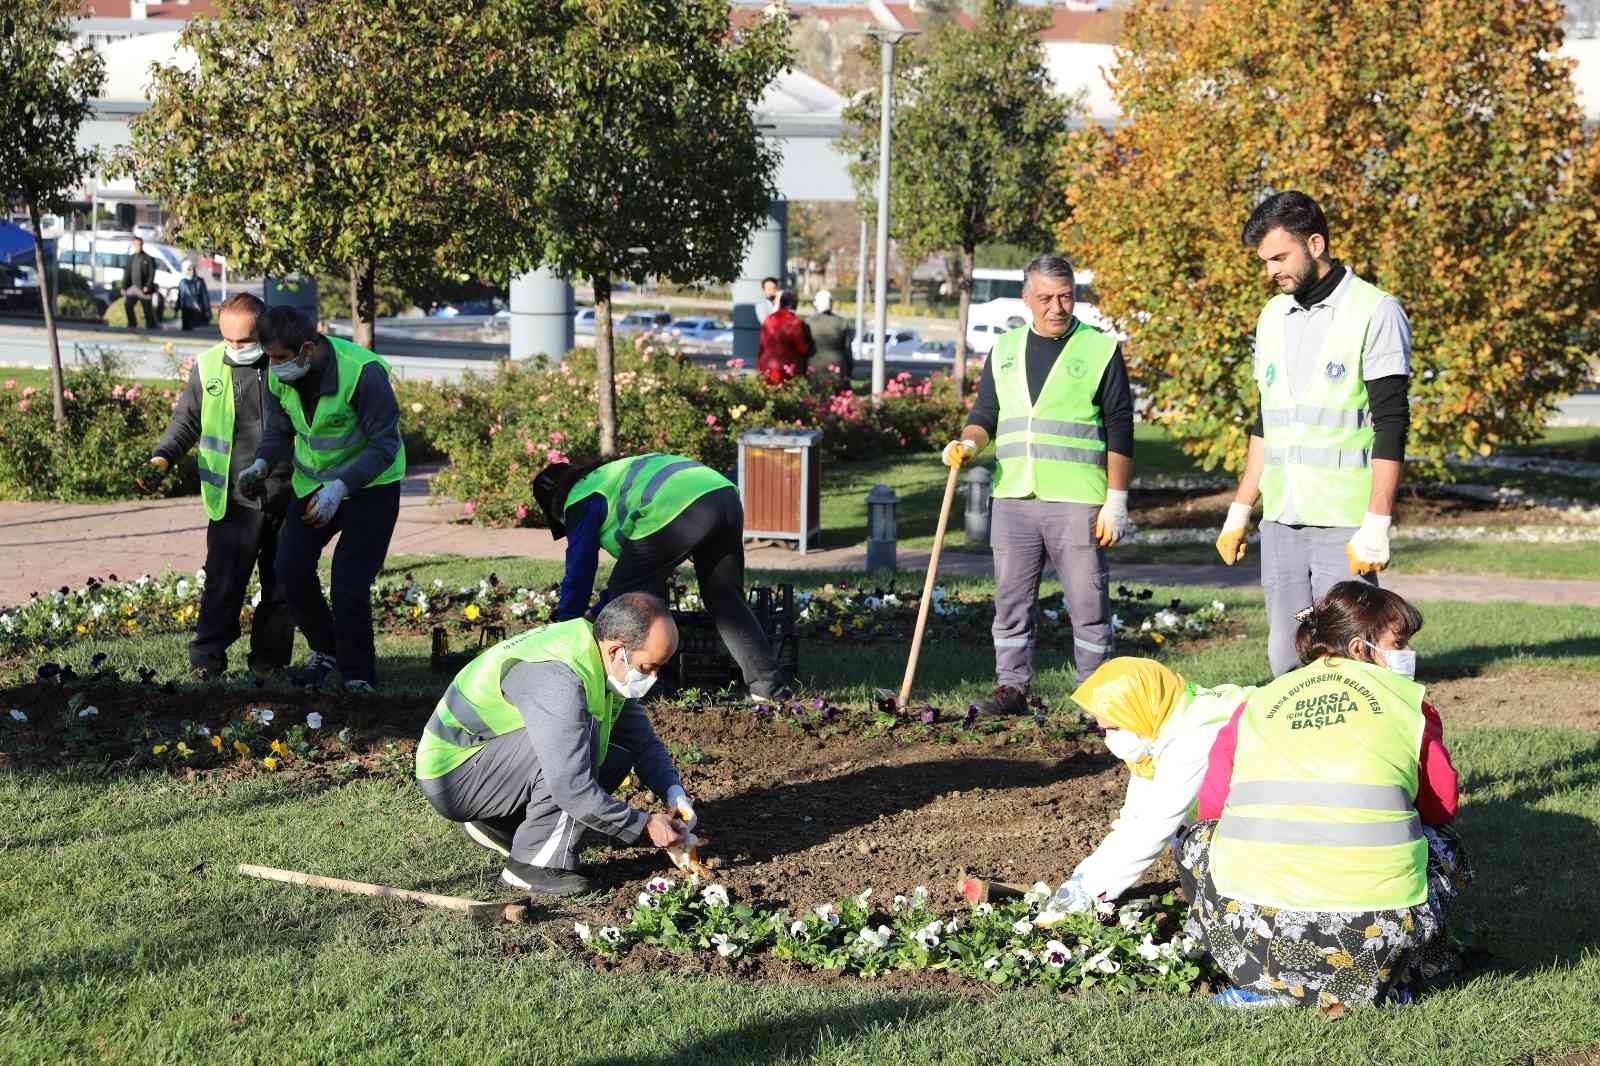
x: 889, y: 33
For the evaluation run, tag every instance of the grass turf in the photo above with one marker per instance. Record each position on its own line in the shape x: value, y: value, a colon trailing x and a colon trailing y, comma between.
x: 126, y: 935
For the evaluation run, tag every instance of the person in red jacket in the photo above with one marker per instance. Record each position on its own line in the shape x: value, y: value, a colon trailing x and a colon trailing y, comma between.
x: 786, y: 344
x: 1281, y: 953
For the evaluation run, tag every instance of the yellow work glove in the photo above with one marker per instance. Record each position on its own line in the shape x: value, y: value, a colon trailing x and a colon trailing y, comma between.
x: 1231, y: 544
x: 1368, y: 550
x: 958, y: 452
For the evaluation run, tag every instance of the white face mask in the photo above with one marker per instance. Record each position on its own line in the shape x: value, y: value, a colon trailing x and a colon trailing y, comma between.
x: 1127, y: 745
x: 293, y: 370
x: 635, y: 683
x: 241, y: 356
x: 1402, y: 661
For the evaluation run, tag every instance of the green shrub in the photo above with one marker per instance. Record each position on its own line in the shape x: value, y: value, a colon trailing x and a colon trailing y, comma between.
x: 499, y: 432
x: 111, y: 426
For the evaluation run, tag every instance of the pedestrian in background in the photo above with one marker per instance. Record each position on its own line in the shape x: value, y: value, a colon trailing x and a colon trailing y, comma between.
x: 769, y: 299
x: 1054, y: 396
x: 785, y: 345
x: 1332, y: 365
x: 830, y: 340
x: 139, y: 286
x: 194, y: 299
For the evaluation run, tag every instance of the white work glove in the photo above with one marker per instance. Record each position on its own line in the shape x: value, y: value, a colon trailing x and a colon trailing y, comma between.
x: 1368, y: 550
x: 678, y: 800
x: 250, y: 478
x: 1070, y: 898
x: 323, y: 506
x: 1231, y: 544
x: 958, y: 452
x: 1113, y: 523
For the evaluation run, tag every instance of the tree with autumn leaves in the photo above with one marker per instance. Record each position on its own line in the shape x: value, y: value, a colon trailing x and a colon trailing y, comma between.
x: 1446, y: 144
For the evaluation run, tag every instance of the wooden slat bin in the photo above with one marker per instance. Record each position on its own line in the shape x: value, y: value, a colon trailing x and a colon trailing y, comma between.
x: 780, y: 482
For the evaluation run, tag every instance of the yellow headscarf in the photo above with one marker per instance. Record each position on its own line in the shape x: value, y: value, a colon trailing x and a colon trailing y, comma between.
x: 1138, y: 695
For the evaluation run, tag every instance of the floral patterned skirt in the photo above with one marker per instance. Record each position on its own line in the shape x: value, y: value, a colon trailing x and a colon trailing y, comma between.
x: 1320, y: 958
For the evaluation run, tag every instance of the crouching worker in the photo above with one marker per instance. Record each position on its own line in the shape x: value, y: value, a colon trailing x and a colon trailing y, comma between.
x: 1163, y: 728
x: 533, y: 736
x: 1323, y: 867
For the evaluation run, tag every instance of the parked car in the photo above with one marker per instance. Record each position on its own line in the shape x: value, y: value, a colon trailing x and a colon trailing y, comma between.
x: 583, y: 320
x: 148, y: 230
x: 109, y: 251
x: 700, y: 331
x: 641, y: 322
x: 18, y: 290
x: 997, y: 306
x: 902, y: 342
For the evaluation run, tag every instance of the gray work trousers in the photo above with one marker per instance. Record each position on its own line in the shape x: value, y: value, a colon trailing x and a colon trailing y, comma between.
x: 1299, y: 564
x: 1024, y: 534
x: 504, y: 786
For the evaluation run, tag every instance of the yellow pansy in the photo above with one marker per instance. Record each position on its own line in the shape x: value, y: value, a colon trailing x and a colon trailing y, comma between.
x: 473, y: 612
x: 270, y: 763
x: 279, y: 748
x: 216, y: 742
x: 241, y: 747
x: 159, y: 749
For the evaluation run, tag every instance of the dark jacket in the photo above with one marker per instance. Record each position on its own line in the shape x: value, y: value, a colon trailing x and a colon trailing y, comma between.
x: 377, y: 414
x: 141, y: 273
x: 249, y: 418
x: 830, y: 335
x: 194, y: 296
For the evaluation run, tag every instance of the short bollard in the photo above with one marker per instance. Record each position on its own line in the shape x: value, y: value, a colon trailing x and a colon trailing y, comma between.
x: 881, y: 534
x: 979, y: 495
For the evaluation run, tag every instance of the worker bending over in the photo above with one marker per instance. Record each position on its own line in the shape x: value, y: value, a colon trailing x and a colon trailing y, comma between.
x: 534, y: 735
x: 1332, y: 364
x: 1054, y: 397
x: 651, y: 512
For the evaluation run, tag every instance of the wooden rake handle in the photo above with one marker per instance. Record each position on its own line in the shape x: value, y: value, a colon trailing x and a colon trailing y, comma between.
x: 504, y: 912
x: 927, y: 586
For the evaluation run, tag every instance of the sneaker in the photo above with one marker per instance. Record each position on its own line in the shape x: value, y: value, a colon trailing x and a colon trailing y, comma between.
x: 315, y: 671
x: 1004, y: 700
x: 770, y: 693
x: 545, y: 881
x: 358, y: 687
x: 488, y: 837
x: 1244, y: 999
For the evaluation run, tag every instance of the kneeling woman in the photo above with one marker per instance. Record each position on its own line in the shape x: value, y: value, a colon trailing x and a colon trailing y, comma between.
x: 1163, y: 728
x: 1321, y: 869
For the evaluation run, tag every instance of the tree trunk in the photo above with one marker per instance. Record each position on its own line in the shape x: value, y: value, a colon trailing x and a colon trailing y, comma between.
x: 364, y: 306
x: 963, y: 282
x: 57, y: 385
x: 605, y: 367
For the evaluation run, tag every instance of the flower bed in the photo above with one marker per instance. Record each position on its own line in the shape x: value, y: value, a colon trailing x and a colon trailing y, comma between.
x: 1137, y: 946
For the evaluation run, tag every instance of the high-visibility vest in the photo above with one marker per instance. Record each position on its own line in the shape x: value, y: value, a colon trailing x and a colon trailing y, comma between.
x: 1321, y: 812
x: 644, y: 493
x: 216, y: 430
x: 325, y: 447
x: 1054, y: 449
x: 1318, y: 443
x: 474, y: 710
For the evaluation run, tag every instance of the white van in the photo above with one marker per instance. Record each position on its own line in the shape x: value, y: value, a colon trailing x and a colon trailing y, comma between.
x: 997, y: 306
x: 109, y: 250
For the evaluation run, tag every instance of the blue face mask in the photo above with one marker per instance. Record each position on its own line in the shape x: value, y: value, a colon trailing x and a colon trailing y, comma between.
x: 293, y: 369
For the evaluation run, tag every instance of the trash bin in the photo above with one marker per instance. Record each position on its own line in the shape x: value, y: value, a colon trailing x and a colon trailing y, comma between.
x: 780, y: 482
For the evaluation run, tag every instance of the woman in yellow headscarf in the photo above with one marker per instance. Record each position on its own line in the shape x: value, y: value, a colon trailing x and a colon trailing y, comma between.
x: 1162, y: 727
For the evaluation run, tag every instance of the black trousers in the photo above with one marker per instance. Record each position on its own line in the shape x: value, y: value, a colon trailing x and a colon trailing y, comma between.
x: 710, y: 531
x: 131, y: 302
x: 365, y: 523
x: 241, y: 541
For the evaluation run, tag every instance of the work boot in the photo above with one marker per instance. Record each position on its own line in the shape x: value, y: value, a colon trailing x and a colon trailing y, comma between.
x: 1004, y: 700
x: 358, y: 687
x: 545, y: 880
x: 489, y: 838
x: 315, y: 671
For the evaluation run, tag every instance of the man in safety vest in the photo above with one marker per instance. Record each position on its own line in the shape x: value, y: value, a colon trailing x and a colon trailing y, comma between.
x: 1055, y: 399
x: 331, y: 409
x: 1332, y: 364
x: 533, y: 736
x: 222, y: 410
x: 651, y: 512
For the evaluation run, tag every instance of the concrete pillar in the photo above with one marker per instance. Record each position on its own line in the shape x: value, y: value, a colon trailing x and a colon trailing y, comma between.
x: 766, y: 257
x: 292, y: 290
x: 541, y: 315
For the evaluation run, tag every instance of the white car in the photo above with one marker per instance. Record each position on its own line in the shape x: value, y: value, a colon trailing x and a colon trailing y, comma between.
x: 997, y: 306
x: 902, y: 342
x: 109, y: 251
x: 583, y: 320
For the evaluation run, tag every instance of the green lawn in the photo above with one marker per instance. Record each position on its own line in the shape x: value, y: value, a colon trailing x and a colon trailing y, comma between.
x: 127, y: 936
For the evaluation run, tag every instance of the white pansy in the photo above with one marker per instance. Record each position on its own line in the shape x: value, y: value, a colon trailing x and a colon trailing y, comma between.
x: 1056, y: 954
x: 900, y: 904
x: 261, y: 715
x: 861, y: 899
x: 314, y: 720
x: 874, y: 938
x: 18, y: 716
x: 725, y: 945
x: 648, y: 901
x: 828, y: 914
x: 991, y: 964
x: 184, y: 588
x: 89, y: 711
x: 1148, y: 951
x: 928, y: 935
x: 611, y: 934
x: 1218, y: 606
x: 1037, y: 894
x: 714, y: 895
x: 1022, y: 927
x: 583, y: 931
x: 1105, y: 908
x: 983, y: 910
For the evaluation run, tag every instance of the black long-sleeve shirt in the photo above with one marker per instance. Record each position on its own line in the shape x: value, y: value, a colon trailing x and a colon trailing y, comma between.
x: 377, y: 413
x: 1114, y: 396
x: 1389, y: 403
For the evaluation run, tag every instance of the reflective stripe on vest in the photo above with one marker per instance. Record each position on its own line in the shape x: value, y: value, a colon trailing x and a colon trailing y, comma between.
x: 1321, y: 813
x: 216, y: 429
x: 1055, y: 448
x: 644, y: 493
x: 474, y: 710
x: 332, y: 442
x: 1318, y: 445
